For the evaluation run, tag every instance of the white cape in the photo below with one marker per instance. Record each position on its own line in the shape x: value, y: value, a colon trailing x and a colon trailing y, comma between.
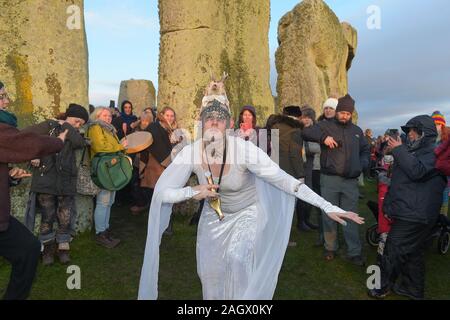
x: 275, y: 211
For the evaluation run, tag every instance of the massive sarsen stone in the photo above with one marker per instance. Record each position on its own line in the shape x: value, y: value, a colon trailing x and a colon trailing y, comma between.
x: 204, y: 36
x: 44, y: 65
x: 315, y: 52
x: 141, y: 93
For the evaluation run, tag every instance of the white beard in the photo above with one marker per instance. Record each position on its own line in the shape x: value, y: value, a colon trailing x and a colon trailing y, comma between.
x: 214, y: 146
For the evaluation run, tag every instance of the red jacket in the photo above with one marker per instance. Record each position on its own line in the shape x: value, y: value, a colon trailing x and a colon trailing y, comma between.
x: 16, y: 147
x: 442, y: 153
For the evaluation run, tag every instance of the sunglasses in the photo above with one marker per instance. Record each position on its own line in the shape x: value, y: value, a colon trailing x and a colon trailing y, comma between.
x: 4, y: 96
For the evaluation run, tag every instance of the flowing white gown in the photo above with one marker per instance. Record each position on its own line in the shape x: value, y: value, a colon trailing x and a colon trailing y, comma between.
x: 239, y: 257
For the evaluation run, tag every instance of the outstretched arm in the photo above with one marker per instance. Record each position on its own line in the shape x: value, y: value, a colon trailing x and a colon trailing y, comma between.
x: 262, y: 166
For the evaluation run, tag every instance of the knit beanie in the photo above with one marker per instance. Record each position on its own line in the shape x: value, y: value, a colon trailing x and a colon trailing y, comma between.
x: 330, y: 103
x: 77, y: 111
x: 346, y: 103
x: 438, y: 118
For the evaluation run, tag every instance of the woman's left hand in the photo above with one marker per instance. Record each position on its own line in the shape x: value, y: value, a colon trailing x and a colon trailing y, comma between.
x: 339, y: 217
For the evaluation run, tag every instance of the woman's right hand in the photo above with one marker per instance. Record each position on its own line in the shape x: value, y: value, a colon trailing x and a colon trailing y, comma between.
x: 205, y: 191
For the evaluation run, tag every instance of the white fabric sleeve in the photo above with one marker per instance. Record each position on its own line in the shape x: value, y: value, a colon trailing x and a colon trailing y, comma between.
x: 170, y: 195
x: 262, y: 166
x: 303, y: 192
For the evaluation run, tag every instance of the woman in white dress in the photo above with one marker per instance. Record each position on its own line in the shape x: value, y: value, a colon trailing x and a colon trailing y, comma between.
x: 240, y: 256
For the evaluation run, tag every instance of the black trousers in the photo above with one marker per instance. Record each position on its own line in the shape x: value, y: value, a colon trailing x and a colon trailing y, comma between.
x: 302, y: 208
x: 403, y: 260
x: 22, y: 249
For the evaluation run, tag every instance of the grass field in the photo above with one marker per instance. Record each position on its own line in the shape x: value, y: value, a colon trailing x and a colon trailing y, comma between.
x: 114, y: 274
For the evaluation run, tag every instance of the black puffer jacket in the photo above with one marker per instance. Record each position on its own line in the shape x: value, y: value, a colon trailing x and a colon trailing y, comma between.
x: 350, y: 157
x: 290, y: 144
x: 57, y: 174
x: 416, y: 187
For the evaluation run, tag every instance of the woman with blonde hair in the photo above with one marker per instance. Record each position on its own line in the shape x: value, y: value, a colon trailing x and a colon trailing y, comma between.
x: 103, y: 138
x: 159, y: 155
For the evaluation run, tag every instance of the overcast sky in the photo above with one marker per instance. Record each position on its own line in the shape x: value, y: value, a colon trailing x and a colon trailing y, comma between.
x: 400, y: 70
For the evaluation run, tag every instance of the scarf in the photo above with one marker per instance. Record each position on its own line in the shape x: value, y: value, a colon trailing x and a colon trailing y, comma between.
x: 106, y: 126
x: 8, y: 118
x: 128, y: 118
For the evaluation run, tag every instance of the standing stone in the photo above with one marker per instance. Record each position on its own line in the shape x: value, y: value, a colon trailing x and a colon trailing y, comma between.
x: 44, y: 66
x: 141, y: 93
x: 315, y: 52
x: 212, y: 36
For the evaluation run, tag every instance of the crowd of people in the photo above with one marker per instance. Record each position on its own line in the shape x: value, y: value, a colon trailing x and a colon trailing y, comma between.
x: 321, y: 160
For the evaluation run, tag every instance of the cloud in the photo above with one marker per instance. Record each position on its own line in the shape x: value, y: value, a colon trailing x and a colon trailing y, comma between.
x: 401, y: 70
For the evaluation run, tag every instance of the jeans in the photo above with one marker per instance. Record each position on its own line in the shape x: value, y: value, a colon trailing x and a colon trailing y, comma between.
x: 59, y: 208
x: 105, y: 200
x: 343, y: 193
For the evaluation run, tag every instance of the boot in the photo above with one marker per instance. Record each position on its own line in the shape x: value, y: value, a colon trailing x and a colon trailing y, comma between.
x: 105, y: 241
x: 48, y: 255
x: 111, y: 236
x: 63, y: 253
x: 169, y: 231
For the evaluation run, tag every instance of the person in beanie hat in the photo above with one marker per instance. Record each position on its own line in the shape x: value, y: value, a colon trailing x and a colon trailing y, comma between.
x: 438, y: 118
x: 78, y: 112
x: 346, y: 104
x: 344, y: 154
x: 442, y: 146
x: 54, y: 182
x: 329, y: 109
x: 247, y: 125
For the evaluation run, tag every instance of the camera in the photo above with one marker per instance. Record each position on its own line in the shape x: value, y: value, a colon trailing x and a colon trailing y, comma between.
x: 393, y: 133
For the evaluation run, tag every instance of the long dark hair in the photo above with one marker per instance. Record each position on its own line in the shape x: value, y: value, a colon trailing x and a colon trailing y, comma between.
x: 123, y: 105
x: 241, y: 116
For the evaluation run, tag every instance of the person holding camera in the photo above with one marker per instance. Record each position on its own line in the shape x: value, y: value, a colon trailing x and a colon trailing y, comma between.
x: 344, y: 155
x: 413, y: 203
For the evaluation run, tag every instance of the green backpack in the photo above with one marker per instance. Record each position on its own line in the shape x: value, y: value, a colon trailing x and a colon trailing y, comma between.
x: 111, y: 171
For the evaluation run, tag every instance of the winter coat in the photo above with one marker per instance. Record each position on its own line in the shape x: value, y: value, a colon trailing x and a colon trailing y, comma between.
x: 290, y: 144
x: 16, y: 147
x: 442, y: 153
x: 57, y: 173
x: 352, y: 154
x: 157, y: 157
x: 103, y: 140
x: 416, y: 187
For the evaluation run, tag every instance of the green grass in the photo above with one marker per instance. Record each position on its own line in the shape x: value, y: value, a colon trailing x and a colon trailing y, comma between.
x: 114, y: 274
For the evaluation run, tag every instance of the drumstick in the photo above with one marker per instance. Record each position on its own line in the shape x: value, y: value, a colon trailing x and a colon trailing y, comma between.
x: 124, y: 129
